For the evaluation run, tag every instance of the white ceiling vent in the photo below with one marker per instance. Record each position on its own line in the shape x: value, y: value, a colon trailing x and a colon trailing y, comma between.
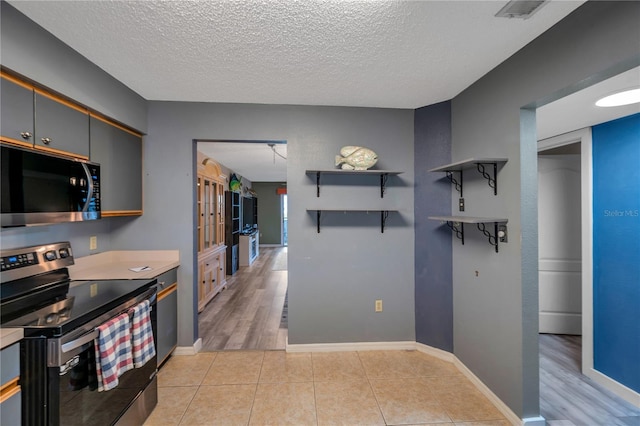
x: 522, y: 9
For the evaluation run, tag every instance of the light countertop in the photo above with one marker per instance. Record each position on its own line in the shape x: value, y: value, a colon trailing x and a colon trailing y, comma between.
x: 116, y: 265
x: 9, y: 336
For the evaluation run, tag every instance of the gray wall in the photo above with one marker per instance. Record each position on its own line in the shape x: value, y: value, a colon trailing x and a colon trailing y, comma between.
x: 28, y: 49
x: 334, y: 276
x: 433, y: 290
x: 269, y: 211
x: 496, y: 313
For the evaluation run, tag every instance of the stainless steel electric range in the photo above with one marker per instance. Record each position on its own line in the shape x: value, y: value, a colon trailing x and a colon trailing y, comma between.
x: 57, y: 355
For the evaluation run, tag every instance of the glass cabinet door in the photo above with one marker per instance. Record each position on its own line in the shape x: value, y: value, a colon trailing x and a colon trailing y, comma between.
x: 213, y: 214
x: 207, y: 213
x: 200, y: 216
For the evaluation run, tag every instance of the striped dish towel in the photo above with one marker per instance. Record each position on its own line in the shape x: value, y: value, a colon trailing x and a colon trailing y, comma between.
x: 143, y: 347
x: 113, y: 351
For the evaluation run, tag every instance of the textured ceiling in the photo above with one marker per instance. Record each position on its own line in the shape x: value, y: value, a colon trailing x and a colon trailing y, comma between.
x: 375, y: 53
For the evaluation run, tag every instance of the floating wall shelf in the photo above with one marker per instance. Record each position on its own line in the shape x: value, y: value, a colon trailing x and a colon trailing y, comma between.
x: 456, y: 223
x: 384, y: 175
x: 383, y: 214
x: 471, y: 163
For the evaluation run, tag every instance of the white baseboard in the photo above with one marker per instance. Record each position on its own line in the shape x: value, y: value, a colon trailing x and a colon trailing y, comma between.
x: 619, y: 389
x: 429, y: 350
x: 189, y: 350
x: 534, y: 421
x: 356, y: 346
x: 501, y: 406
x: 435, y: 352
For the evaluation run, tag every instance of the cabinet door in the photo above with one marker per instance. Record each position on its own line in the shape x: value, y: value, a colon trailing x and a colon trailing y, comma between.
x: 119, y: 153
x: 61, y: 127
x: 220, y: 214
x: 167, y: 323
x: 10, y: 398
x: 16, y: 111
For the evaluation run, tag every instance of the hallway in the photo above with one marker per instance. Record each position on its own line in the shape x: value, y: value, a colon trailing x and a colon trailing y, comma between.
x: 248, y: 314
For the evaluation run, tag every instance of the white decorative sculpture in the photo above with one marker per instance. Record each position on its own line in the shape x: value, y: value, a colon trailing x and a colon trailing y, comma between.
x: 356, y: 158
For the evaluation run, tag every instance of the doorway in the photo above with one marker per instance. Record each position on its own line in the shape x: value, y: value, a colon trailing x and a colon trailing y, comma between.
x: 248, y: 313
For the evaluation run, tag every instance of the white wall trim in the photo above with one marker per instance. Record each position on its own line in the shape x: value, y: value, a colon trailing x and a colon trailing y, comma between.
x: 428, y: 350
x: 189, y: 350
x: 619, y: 389
x: 534, y: 421
x: 355, y: 346
x: 435, y: 352
x: 501, y: 406
x: 587, y: 251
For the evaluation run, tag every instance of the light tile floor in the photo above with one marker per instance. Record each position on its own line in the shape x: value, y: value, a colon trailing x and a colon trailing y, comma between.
x: 334, y: 388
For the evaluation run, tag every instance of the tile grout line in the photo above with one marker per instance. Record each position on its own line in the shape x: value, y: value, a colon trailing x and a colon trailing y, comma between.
x: 371, y: 387
x: 197, y: 390
x: 255, y: 392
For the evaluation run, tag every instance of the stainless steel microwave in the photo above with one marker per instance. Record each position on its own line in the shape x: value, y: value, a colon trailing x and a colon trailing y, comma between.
x: 38, y: 189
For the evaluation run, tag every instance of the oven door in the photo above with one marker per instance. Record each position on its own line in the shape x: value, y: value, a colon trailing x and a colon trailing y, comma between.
x: 72, y: 396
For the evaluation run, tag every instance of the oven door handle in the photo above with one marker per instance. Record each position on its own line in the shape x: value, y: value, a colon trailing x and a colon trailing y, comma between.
x: 82, y: 340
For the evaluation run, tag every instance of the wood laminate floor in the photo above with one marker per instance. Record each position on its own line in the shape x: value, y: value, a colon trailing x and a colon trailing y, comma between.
x: 568, y: 398
x: 248, y: 314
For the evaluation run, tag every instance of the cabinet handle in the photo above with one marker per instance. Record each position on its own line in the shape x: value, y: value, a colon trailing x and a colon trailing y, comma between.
x: 46, y: 141
x: 26, y: 135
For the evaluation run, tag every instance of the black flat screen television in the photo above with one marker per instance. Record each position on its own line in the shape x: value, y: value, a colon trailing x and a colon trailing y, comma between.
x: 248, y: 216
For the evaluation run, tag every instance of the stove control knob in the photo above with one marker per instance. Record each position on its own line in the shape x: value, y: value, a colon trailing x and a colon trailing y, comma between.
x: 63, y: 253
x: 50, y: 255
x: 50, y: 318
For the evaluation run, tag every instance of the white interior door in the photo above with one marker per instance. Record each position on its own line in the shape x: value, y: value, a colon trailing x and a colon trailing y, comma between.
x: 559, y: 242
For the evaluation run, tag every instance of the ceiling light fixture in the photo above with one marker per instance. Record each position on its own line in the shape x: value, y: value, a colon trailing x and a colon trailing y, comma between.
x: 626, y: 97
x: 522, y: 9
x: 273, y: 148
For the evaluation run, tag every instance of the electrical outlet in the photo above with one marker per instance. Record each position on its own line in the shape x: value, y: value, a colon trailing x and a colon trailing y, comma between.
x: 379, y: 305
x: 93, y: 242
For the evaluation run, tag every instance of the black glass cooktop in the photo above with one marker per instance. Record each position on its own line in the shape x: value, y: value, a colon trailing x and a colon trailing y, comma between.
x: 75, y: 303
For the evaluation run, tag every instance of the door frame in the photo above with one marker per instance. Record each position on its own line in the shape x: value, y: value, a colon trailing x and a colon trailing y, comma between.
x: 583, y: 136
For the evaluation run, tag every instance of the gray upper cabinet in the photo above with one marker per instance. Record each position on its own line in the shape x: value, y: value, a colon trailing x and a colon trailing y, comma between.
x: 16, y: 111
x: 61, y: 126
x: 119, y: 153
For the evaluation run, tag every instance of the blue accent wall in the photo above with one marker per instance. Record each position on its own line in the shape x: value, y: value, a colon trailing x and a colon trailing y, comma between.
x: 433, y: 288
x: 616, y: 250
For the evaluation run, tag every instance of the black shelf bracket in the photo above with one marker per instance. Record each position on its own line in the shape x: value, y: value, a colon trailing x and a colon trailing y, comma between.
x: 383, y: 184
x: 493, y: 238
x: 318, y: 193
x: 458, y: 185
x: 384, y: 214
x: 318, y: 215
x: 458, y: 228
x: 493, y: 183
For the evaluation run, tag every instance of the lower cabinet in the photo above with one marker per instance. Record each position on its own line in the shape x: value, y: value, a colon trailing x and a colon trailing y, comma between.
x: 167, y: 338
x: 211, y: 275
x: 10, y: 395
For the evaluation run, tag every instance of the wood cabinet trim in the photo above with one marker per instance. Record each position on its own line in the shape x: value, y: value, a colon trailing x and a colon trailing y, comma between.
x: 166, y: 291
x: 60, y: 152
x: 113, y: 213
x: 16, y: 80
x: 16, y: 142
x: 9, y: 389
x: 62, y: 101
x: 104, y: 119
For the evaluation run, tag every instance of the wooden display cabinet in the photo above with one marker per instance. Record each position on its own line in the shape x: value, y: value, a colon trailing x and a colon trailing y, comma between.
x: 210, y: 230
